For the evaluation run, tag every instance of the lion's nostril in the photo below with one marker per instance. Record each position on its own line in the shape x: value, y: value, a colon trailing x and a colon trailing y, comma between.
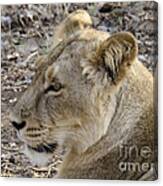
x: 19, y: 126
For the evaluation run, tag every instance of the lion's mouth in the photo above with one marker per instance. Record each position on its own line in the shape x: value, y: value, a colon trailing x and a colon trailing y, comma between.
x: 44, y: 148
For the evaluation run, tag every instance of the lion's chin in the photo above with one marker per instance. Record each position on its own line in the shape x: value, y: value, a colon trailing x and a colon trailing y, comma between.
x: 37, y: 158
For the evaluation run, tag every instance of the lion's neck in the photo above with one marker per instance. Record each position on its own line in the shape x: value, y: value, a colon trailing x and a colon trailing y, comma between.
x: 89, y: 134
x: 89, y: 141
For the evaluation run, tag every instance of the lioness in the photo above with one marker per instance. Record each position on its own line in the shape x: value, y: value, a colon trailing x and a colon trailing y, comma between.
x: 92, y: 99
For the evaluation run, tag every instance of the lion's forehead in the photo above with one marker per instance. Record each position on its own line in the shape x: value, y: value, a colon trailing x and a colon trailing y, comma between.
x: 68, y: 63
x: 72, y: 55
x: 69, y: 60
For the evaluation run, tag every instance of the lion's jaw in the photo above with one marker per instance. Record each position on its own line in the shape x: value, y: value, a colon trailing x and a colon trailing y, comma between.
x: 78, y: 138
x: 36, y: 158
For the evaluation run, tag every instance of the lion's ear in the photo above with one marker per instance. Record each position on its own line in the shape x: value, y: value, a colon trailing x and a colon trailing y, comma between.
x: 77, y: 20
x: 114, y: 57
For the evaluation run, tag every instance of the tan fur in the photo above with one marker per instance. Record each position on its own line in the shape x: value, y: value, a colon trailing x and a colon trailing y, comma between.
x: 78, y: 20
x: 105, y: 101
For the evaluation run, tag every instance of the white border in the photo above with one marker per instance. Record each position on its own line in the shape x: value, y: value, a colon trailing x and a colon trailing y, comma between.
x: 40, y: 181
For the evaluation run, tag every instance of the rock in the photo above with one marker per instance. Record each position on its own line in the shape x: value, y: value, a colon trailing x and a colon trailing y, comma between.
x: 13, y: 56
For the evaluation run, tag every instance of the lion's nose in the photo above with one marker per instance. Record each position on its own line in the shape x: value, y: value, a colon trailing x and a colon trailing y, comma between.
x: 19, y: 126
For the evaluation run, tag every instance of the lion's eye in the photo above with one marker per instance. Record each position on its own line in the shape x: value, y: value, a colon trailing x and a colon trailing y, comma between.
x: 56, y: 87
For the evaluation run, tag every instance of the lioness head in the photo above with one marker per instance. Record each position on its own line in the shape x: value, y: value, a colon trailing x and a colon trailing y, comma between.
x: 68, y: 103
